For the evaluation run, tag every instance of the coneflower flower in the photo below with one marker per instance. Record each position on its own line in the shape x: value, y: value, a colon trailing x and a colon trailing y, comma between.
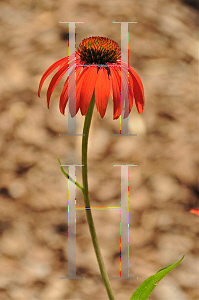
x: 97, y: 69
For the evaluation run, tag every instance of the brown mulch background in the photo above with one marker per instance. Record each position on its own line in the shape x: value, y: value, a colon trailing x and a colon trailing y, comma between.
x: 163, y: 186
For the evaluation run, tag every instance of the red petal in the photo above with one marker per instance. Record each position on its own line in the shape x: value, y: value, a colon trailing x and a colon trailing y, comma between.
x: 65, y: 93
x: 54, y: 82
x: 78, y: 74
x: 124, y: 86
x: 73, y: 102
x: 56, y: 79
x: 131, y: 94
x: 122, y: 83
x: 194, y: 211
x: 110, y: 87
x: 128, y: 87
x: 102, y: 88
x: 80, y: 79
x: 116, y: 86
x: 51, y: 69
x: 87, y: 88
x: 61, y: 66
x: 138, y: 90
x: 58, y: 63
x: 64, y: 97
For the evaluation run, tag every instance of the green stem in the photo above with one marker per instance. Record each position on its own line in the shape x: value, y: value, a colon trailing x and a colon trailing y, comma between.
x: 103, y: 271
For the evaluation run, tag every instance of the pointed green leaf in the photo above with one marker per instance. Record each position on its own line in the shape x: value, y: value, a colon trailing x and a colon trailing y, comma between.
x: 69, y: 177
x: 146, y: 288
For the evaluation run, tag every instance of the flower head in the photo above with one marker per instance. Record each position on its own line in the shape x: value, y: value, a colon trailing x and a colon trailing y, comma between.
x: 97, y: 69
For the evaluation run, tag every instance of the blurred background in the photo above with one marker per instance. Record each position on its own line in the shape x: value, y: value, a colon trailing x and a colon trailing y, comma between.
x: 163, y: 186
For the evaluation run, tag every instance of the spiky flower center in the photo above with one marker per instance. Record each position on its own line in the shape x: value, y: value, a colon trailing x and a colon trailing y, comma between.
x: 99, y: 50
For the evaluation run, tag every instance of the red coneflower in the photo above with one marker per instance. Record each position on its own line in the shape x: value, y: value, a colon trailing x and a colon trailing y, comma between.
x: 98, y: 69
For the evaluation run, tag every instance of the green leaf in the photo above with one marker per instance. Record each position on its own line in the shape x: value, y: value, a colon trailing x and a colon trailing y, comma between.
x: 146, y: 288
x: 69, y: 177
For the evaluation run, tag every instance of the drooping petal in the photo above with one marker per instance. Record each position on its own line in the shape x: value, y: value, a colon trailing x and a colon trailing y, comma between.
x: 127, y: 83
x: 124, y: 83
x: 64, y: 97
x: 78, y: 73
x: 65, y: 93
x: 58, y: 63
x: 137, y: 89
x: 87, y: 88
x: 102, y: 88
x: 54, y: 82
x: 73, y: 102
x: 110, y: 87
x: 56, y: 79
x: 79, y: 82
x: 72, y: 56
x: 131, y: 96
x: 123, y: 73
x: 116, y: 86
x: 138, y: 79
x: 51, y: 69
x: 194, y: 211
x: 71, y: 83
x: 60, y: 66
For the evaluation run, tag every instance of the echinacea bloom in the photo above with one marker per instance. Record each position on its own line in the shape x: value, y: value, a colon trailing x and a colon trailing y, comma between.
x: 97, y: 69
